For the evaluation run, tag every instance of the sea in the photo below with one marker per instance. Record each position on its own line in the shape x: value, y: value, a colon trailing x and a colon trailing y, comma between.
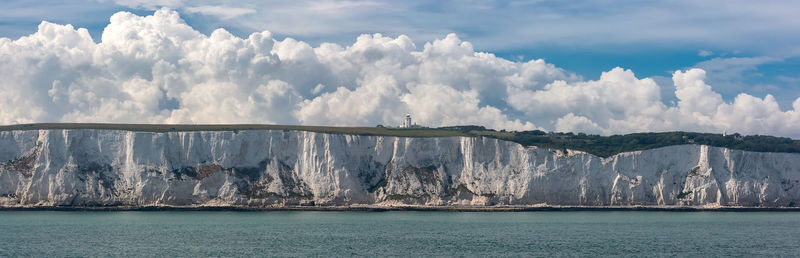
x: 398, y: 233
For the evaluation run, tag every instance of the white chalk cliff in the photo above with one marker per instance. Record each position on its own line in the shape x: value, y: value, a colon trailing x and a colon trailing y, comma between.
x: 285, y: 168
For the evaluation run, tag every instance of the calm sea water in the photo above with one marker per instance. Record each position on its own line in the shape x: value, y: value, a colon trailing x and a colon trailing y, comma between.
x: 567, y: 233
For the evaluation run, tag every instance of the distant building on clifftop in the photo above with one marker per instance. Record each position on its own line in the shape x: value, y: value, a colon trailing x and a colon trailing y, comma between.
x: 408, y: 124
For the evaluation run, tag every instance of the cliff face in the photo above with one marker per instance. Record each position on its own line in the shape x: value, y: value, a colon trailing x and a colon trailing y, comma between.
x: 266, y: 168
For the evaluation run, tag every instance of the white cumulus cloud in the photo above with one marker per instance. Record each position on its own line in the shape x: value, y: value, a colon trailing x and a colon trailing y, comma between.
x: 158, y: 69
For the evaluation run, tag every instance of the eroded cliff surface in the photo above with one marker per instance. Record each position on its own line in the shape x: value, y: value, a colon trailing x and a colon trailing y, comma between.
x: 285, y: 168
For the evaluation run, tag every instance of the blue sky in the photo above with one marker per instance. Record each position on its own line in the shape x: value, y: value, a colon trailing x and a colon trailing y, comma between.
x: 586, y: 37
x: 749, y: 47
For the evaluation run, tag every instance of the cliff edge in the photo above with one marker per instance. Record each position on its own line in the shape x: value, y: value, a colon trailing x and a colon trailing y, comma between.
x: 286, y: 168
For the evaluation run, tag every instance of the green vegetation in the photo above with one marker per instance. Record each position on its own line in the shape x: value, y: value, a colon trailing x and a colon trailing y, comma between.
x: 385, y: 131
x: 683, y: 195
x: 604, y: 146
x: 461, y: 188
x: 380, y: 184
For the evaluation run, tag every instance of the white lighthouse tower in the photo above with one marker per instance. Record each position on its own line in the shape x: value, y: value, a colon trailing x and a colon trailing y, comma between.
x: 407, y: 122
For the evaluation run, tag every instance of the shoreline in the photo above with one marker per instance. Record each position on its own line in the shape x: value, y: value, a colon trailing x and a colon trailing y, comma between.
x: 403, y: 208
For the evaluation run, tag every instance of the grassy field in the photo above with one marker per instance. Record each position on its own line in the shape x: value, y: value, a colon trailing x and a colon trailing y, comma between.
x: 402, y: 132
x: 604, y: 146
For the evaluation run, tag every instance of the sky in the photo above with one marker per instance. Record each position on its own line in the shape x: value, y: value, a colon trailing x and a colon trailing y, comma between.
x: 596, y: 66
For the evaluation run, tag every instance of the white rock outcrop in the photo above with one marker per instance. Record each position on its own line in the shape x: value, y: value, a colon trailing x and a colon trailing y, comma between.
x: 283, y: 168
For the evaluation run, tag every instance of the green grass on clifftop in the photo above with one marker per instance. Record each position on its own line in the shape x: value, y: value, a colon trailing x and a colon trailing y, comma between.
x: 604, y: 146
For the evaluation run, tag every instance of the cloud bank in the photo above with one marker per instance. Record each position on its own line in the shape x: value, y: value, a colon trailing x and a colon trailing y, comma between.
x: 157, y: 69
